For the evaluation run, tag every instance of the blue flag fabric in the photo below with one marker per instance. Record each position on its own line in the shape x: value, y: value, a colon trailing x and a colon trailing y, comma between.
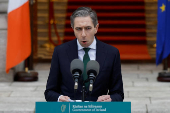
x: 163, y: 31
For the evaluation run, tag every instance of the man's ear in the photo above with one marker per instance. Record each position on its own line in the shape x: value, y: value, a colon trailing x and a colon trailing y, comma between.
x: 96, y: 28
x: 72, y: 27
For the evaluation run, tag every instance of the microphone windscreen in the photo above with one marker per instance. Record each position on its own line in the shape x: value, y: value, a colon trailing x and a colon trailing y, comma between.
x: 92, y: 66
x: 77, y: 65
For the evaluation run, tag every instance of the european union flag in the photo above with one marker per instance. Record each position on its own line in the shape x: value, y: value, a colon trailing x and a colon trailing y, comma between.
x: 163, y: 31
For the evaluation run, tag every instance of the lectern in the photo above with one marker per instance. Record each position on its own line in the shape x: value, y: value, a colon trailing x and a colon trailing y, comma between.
x: 84, y: 107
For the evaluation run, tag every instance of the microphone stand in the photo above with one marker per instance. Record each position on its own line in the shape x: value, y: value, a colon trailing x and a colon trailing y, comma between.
x: 83, y: 93
x: 84, y: 90
x: 75, y: 91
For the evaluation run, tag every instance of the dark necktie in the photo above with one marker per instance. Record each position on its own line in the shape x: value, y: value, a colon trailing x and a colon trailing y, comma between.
x: 86, y: 59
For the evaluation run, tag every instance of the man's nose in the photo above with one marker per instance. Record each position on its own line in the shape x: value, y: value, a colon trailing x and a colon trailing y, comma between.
x: 83, y: 33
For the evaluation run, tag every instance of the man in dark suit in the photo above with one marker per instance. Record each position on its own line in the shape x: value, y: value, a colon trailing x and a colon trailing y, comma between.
x: 108, y: 85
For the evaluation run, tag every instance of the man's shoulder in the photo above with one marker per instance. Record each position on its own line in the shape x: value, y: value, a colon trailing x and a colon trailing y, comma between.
x: 108, y: 47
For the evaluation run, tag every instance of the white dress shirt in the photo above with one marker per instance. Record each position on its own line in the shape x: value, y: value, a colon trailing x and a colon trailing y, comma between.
x: 92, y: 51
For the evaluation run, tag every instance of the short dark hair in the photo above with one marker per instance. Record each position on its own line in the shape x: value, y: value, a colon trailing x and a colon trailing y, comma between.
x: 84, y: 12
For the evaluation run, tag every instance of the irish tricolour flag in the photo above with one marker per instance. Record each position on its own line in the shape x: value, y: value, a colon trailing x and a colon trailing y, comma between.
x: 19, y: 35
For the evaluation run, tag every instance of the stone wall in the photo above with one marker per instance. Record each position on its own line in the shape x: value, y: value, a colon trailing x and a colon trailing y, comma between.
x: 3, y: 39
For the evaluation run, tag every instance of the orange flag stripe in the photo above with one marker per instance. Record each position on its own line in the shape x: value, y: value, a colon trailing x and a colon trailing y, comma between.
x: 18, y: 37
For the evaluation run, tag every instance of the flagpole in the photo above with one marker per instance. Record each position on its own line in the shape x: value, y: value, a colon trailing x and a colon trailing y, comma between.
x: 165, y: 75
x: 30, y: 58
x: 28, y: 75
x: 165, y: 64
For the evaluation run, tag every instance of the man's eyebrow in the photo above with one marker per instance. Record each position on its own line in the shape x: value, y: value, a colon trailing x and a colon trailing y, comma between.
x: 78, y: 27
x: 84, y: 27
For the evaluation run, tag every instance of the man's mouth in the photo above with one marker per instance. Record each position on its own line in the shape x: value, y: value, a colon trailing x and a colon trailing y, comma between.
x: 84, y: 42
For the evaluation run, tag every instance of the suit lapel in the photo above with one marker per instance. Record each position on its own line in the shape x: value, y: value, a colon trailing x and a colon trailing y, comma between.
x: 72, y: 50
x: 100, y: 53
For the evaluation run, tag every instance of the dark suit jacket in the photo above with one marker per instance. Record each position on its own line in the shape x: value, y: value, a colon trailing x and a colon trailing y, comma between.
x: 60, y: 80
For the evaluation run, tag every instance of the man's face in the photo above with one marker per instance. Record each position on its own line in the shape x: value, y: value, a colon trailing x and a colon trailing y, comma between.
x: 84, y: 30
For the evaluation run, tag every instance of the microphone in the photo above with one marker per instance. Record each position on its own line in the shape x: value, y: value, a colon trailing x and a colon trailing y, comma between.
x: 92, y: 70
x: 76, y: 68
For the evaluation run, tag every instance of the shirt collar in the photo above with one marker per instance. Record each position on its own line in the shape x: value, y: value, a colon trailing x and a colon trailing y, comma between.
x: 92, y: 46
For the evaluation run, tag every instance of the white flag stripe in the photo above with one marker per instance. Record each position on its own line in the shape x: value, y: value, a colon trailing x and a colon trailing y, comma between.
x: 14, y: 4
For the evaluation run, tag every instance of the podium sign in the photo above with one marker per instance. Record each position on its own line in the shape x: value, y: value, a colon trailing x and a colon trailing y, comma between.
x: 85, y: 107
